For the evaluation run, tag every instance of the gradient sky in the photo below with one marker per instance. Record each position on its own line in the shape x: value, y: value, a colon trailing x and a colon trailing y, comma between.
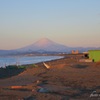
x: 68, y: 22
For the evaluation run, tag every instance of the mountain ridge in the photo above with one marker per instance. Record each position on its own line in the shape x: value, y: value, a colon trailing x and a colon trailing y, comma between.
x: 45, y: 45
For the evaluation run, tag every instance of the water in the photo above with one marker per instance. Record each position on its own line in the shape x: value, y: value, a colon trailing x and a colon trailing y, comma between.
x: 17, y: 60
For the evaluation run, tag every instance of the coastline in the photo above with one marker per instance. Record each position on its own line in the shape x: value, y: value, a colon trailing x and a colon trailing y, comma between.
x: 67, y: 79
x: 24, y: 60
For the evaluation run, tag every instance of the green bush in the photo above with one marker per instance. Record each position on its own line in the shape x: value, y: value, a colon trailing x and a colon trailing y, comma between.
x: 11, y: 67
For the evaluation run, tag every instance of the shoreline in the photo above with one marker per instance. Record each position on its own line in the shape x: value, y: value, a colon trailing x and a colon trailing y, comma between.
x: 66, y: 79
x: 28, y: 59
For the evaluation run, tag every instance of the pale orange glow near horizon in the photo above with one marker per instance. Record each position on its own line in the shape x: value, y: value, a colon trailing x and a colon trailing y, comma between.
x: 74, y: 24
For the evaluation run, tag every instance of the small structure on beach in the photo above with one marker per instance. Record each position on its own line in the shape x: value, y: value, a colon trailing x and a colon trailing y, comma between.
x: 85, y: 54
x: 85, y: 57
x: 94, y: 55
x: 75, y: 52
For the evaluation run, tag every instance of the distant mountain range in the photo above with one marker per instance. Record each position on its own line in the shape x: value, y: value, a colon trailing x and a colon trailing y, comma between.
x: 44, y: 45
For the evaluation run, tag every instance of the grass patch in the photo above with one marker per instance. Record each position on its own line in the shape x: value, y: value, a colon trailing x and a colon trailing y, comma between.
x: 11, y: 70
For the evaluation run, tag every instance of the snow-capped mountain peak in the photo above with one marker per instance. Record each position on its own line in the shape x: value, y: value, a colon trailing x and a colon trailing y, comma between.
x: 46, y: 45
x: 43, y: 42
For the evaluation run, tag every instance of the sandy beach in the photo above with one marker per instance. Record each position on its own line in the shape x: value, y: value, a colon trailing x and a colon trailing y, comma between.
x: 66, y: 79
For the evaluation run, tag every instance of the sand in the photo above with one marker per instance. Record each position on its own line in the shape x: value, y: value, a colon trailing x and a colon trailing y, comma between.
x: 67, y: 79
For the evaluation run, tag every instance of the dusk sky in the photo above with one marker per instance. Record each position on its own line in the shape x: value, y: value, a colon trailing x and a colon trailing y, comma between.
x: 74, y: 23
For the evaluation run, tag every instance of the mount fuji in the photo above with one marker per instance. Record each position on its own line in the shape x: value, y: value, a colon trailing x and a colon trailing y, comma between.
x: 45, y: 44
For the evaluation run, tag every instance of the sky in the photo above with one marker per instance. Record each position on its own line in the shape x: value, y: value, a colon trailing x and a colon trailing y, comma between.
x: 74, y: 23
